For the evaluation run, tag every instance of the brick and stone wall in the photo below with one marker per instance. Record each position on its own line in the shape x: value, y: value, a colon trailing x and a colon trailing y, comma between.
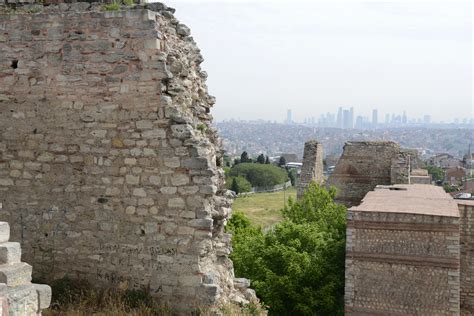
x: 362, y: 166
x: 18, y: 296
x: 466, y: 214
x: 402, y: 253
x: 312, y: 169
x: 109, y: 166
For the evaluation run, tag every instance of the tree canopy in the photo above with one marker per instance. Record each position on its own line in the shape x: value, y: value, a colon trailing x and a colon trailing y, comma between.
x: 260, y: 175
x: 296, y: 268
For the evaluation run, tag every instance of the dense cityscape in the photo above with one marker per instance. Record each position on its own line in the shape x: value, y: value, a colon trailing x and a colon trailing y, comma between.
x: 275, y: 138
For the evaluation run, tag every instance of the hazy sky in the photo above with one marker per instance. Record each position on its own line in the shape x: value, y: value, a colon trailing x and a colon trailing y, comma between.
x: 264, y: 57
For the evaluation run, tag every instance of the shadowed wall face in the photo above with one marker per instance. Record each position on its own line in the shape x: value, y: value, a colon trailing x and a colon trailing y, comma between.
x: 109, y: 167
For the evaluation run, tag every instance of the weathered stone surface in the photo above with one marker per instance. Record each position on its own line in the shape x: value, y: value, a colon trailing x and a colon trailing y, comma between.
x: 364, y: 165
x: 10, y: 252
x: 106, y: 166
x: 4, y: 231
x: 312, y: 170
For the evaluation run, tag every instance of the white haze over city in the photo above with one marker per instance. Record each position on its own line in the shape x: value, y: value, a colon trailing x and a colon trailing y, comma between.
x: 264, y: 57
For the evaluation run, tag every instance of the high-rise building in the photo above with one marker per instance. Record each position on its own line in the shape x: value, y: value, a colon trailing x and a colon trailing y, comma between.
x: 288, y: 117
x: 427, y: 119
x: 351, y: 119
x: 339, y: 122
x: 387, y: 118
x: 375, y: 117
x: 404, y: 118
x: 346, y: 119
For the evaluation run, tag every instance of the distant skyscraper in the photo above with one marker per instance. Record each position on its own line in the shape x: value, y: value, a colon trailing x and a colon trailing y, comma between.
x: 339, y: 118
x: 351, y: 119
x: 404, y: 117
x: 387, y: 118
x: 375, y: 117
x: 288, y: 116
x: 427, y: 119
x: 346, y: 119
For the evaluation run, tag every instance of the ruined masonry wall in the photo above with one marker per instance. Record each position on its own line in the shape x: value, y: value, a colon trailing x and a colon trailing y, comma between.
x: 466, y: 213
x: 362, y: 166
x: 18, y: 296
x: 402, y: 264
x: 312, y: 169
x: 109, y: 167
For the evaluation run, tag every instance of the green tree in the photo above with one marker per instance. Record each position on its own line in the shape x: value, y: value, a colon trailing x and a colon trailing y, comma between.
x: 449, y: 188
x: 282, y: 161
x: 436, y: 172
x: 292, y: 175
x: 261, y: 159
x: 244, y: 157
x: 297, y: 268
x: 238, y: 184
x: 260, y: 175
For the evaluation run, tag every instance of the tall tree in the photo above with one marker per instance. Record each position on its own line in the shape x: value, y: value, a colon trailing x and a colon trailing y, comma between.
x: 244, y: 157
x: 261, y: 159
x: 282, y: 161
x: 297, y: 267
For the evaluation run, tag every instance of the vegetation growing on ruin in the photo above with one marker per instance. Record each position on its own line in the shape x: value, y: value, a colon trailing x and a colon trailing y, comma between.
x: 111, y: 6
x: 297, y: 267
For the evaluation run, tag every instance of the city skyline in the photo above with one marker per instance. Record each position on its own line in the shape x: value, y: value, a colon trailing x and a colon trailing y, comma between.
x: 265, y: 57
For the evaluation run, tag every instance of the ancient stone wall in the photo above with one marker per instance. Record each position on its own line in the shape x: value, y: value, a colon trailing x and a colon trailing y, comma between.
x: 402, y: 253
x: 362, y: 166
x: 400, y: 169
x: 109, y: 167
x: 466, y: 213
x: 18, y: 296
x: 312, y: 169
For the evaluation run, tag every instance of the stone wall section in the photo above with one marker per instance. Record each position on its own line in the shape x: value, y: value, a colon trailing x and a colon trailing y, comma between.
x: 312, y: 170
x: 400, y: 169
x: 18, y: 296
x: 362, y: 166
x: 402, y: 263
x: 109, y: 166
x: 466, y: 214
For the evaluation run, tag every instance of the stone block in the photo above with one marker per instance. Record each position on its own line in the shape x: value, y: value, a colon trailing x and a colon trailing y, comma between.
x: 44, y: 295
x: 10, y: 252
x: 15, y: 274
x: 4, y: 232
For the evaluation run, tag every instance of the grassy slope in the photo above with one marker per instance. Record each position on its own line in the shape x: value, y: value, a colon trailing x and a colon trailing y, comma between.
x: 263, y: 208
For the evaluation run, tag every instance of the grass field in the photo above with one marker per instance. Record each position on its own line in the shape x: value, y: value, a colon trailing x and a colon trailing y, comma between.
x: 263, y: 208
